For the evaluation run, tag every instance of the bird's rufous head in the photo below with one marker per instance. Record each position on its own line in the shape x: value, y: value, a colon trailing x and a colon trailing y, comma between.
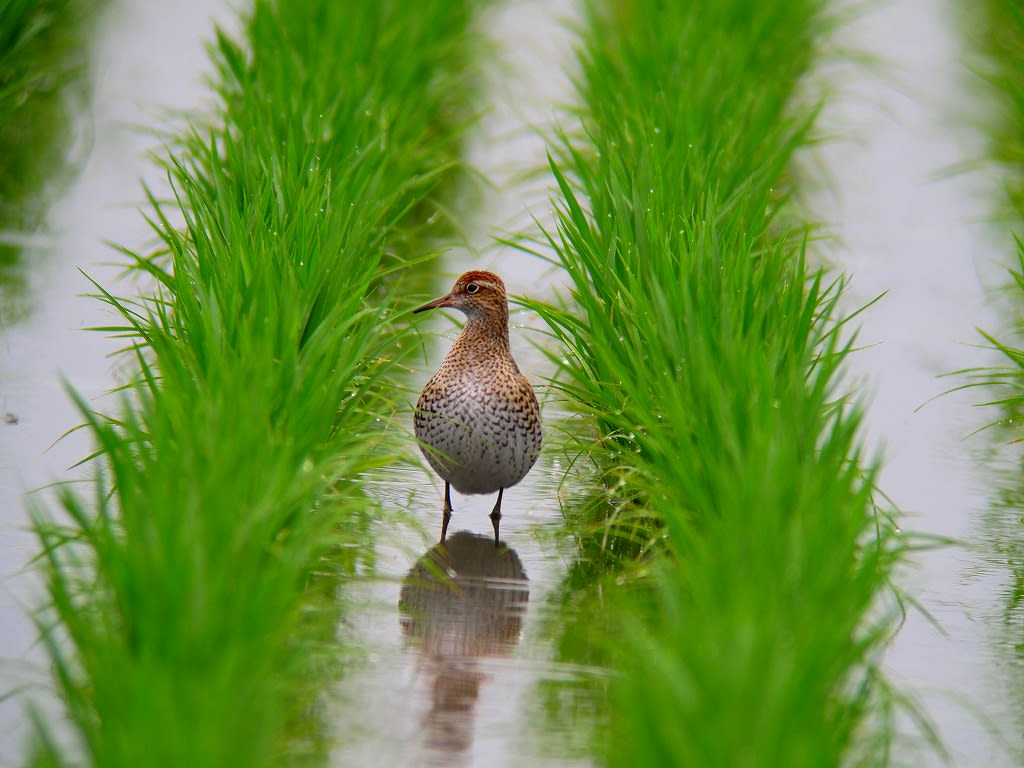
x: 476, y: 293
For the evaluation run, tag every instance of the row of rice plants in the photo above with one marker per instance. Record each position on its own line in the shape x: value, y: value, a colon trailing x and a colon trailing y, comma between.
x: 41, y: 50
x: 42, y: 54
x: 192, y: 609
x: 707, y: 355
x: 999, y: 41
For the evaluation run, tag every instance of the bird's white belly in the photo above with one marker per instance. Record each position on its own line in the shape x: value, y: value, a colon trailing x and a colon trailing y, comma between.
x: 475, y: 443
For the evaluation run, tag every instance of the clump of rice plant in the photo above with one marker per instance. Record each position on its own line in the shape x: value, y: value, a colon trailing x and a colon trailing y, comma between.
x: 189, y: 622
x: 999, y: 28
x: 707, y: 354
x: 1001, y: 40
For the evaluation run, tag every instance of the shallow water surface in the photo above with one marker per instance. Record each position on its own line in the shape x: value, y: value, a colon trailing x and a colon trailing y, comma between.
x: 449, y: 638
x: 459, y: 686
x: 907, y: 226
x: 461, y: 605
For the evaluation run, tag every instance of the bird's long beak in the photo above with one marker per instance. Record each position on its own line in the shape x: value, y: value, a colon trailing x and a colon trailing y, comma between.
x: 444, y: 301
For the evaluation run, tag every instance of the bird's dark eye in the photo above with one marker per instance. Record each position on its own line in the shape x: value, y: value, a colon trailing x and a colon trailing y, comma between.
x: 472, y: 288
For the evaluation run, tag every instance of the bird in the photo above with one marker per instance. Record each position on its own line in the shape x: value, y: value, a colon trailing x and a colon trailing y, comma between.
x: 477, y: 420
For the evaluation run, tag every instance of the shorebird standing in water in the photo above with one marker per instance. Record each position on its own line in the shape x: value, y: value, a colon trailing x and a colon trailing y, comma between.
x: 477, y: 420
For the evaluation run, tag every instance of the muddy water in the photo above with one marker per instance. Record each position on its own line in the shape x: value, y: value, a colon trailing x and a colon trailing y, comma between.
x: 148, y: 59
x: 906, y: 226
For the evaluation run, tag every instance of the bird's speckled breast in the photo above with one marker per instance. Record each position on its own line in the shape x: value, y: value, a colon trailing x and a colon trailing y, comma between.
x: 478, y: 422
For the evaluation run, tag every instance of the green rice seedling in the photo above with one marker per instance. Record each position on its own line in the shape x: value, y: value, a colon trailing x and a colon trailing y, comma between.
x: 999, y: 43
x: 1001, y: 40
x: 193, y: 606
x: 708, y: 355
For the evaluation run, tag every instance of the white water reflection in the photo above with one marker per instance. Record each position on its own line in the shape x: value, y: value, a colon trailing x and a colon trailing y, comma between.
x: 148, y: 59
x: 461, y: 603
x: 909, y: 226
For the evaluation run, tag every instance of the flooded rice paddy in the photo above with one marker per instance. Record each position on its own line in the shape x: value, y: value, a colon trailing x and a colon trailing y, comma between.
x: 447, y: 678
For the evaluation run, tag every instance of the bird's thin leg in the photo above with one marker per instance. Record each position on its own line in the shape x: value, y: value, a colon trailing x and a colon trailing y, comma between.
x: 446, y: 515
x: 496, y: 516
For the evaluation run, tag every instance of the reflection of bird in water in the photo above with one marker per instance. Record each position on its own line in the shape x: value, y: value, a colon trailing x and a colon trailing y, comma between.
x: 464, y: 599
x: 477, y: 420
